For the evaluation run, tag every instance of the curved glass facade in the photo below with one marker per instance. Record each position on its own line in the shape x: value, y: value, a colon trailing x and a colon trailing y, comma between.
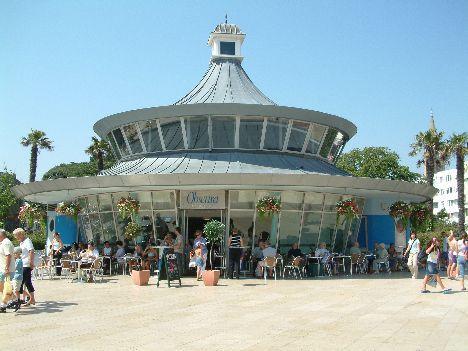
x: 227, y: 132
x: 306, y: 218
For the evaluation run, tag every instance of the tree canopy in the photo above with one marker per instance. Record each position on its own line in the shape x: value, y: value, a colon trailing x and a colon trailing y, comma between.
x: 376, y: 162
x: 9, y: 203
x: 74, y: 169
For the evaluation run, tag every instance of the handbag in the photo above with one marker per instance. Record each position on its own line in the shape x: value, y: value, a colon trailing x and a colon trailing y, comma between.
x: 7, y: 289
x: 408, y: 252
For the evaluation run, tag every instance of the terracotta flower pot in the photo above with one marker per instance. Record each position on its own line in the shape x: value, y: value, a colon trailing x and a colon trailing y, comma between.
x: 211, y: 277
x: 140, y: 277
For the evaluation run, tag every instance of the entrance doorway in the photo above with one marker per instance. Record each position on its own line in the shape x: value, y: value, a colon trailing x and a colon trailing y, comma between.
x: 196, y: 220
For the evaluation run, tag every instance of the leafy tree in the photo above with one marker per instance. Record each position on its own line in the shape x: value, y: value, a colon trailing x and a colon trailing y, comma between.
x: 457, y: 146
x: 9, y: 204
x: 430, y: 146
x: 375, y: 162
x: 74, y: 169
x: 99, y: 150
x: 37, y: 140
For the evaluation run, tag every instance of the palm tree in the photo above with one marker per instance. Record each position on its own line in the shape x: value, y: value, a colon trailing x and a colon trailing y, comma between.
x: 99, y: 149
x: 37, y: 140
x: 431, y: 145
x: 457, y: 146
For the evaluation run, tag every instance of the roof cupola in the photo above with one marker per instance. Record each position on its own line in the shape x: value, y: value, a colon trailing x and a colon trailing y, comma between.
x: 226, y: 41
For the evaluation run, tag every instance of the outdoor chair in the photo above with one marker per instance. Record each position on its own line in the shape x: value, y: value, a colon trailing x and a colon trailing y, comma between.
x: 354, y: 263
x: 295, y: 267
x: 269, y: 263
x: 66, y: 269
x: 222, y: 261
x: 327, y: 265
x: 382, y: 265
x: 44, y: 268
x: 362, y: 263
x: 95, y: 271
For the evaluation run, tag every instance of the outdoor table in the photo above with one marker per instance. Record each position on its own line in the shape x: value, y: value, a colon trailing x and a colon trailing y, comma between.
x: 318, y: 260
x: 126, y: 259
x: 110, y: 262
x: 343, y: 257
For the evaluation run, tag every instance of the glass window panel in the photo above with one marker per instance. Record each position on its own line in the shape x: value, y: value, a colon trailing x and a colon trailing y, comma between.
x: 315, y: 138
x: 105, y: 202
x: 150, y: 135
x: 275, y: 133
x: 243, y: 220
x: 310, y: 231
x: 95, y: 228
x: 341, y: 236
x: 227, y: 48
x: 250, y: 132
x: 108, y: 227
x: 120, y: 227
x: 133, y: 139
x: 336, y: 147
x: 85, y: 233
x: 163, y: 200
x: 121, y: 142
x: 328, y: 229
x: 328, y: 142
x: 291, y: 200
x: 290, y: 226
x: 93, y: 203
x: 144, y: 197
x: 313, y: 202
x: 297, y: 136
x: 330, y: 202
x: 112, y: 143
x: 242, y: 199
x: 145, y: 220
x: 172, y: 133
x: 223, y: 132
x: 353, y: 237
x: 197, y: 132
x: 360, y: 201
x: 116, y: 197
x: 163, y: 223
x: 267, y: 228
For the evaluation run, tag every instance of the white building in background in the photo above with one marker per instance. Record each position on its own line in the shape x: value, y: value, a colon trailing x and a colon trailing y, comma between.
x: 447, y: 195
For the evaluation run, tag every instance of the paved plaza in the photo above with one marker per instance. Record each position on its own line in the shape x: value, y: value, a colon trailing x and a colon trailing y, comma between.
x: 384, y: 312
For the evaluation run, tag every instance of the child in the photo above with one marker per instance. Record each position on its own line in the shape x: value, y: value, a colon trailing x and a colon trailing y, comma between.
x: 199, y: 261
x: 16, y: 281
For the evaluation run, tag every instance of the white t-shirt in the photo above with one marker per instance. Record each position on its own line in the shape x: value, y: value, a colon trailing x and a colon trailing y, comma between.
x: 269, y: 252
x: 433, y: 256
x: 414, y: 246
x: 26, y: 245
x: 6, y: 249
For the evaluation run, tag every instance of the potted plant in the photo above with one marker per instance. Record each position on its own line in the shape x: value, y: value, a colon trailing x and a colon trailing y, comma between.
x: 213, y: 231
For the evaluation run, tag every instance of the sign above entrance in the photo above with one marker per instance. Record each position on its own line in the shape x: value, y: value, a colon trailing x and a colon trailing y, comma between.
x: 202, y: 199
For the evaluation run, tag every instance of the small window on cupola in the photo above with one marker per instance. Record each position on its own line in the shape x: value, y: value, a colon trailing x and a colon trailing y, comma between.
x: 227, y: 48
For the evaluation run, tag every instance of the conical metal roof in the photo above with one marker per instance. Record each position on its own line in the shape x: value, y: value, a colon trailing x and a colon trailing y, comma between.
x: 225, y: 82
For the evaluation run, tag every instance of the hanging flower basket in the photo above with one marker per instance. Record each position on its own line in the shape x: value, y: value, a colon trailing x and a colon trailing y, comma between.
x: 348, y: 209
x: 72, y: 209
x: 268, y: 205
x: 132, y: 230
x: 30, y: 213
x: 400, y: 211
x: 128, y: 207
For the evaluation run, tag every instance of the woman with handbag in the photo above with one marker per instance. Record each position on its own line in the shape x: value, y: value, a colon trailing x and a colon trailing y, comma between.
x: 433, y: 254
x: 411, y: 253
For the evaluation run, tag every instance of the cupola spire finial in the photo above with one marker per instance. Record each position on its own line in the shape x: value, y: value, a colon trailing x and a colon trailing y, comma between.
x: 225, y: 18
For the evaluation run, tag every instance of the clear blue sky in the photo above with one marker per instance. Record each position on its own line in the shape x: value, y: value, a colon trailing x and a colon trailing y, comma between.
x: 381, y: 64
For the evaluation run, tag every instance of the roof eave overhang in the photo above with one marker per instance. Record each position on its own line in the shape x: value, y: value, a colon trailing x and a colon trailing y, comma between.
x: 54, y: 191
x: 105, y: 125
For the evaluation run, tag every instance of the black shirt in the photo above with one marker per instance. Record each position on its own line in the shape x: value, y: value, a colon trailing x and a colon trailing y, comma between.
x: 294, y: 252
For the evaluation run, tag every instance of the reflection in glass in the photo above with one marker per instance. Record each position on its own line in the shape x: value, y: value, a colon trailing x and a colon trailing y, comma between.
x: 291, y: 200
x: 289, y: 230
x: 242, y: 199
x: 83, y: 202
x: 163, y: 223
x: 275, y: 133
x: 93, y: 203
x: 85, y: 232
x: 121, y: 142
x: 328, y: 142
x: 117, y: 196
x: 163, y: 200
x: 297, y: 136
x: 95, y: 228
x: 330, y: 202
x: 315, y: 138
x: 145, y: 220
x: 172, y: 133
x: 144, y: 197
x: 150, y: 135
x: 223, y: 132
x: 310, y: 231
x: 197, y: 132
x: 133, y: 139
x: 250, y: 132
x: 105, y: 202
x: 328, y: 229
x: 111, y: 141
x: 313, y: 202
x: 243, y: 220
x: 336, y: 147
x: 108, y: 228
x: 267, y: 228
x: 341, y: 236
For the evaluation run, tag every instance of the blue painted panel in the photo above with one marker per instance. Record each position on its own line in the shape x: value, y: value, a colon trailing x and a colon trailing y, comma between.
x: 380, y: 229
x: 67, y: 228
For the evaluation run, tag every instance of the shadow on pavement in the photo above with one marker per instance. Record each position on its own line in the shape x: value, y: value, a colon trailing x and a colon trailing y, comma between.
x: 45, y: 307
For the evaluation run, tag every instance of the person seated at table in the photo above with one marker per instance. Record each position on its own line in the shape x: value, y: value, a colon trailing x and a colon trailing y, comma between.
x: 294, y: 251
x: 392, y: 257
x: 381, y: 257
x: 88, y: 256
x: 137, y: 255
x: 355, y: 250
x: 267, y: 251
x: 322, y: 252
x: 120, y: 253
x: 106, y: 252
x: 150, y: 255
x: 74, y: 251
x: 257, y: 254
x: 81, y: 248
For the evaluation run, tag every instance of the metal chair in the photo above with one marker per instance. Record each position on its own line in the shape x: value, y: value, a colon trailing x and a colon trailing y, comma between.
x: 95, y: 270
x: 269, y: 263
x: 294, y: 267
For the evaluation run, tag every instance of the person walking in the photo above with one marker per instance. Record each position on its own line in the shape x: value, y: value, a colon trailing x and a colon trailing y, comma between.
x: 179, y: 249
x: 433, y: 254
x: 462, y: 257
x: 235, y: 244
x: 27, y: 255
x: 56, y: 253
x: 414, y: 246
x: 452, y: 265
x: 7, y: 264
